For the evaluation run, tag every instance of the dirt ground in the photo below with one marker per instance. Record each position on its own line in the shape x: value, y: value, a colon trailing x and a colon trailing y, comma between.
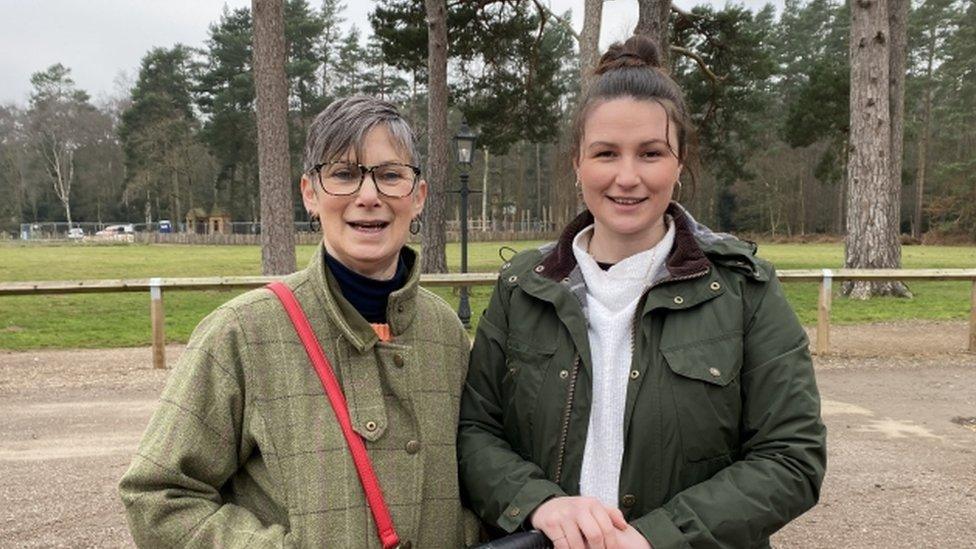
x: 897, y: 399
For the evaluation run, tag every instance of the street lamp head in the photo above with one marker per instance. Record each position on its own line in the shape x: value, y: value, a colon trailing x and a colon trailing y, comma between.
x: 464, y: 143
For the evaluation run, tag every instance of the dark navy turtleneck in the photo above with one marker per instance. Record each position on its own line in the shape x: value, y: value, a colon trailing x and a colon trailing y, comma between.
x: 367, y: 295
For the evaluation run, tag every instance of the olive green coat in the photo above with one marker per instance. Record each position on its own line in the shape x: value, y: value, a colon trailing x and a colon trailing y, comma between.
x: 724, y: 443
x: 244, y: 449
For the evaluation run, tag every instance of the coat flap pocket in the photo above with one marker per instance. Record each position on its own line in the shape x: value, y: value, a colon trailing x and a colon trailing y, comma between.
x: 715, y: 360
x: 519, y: 349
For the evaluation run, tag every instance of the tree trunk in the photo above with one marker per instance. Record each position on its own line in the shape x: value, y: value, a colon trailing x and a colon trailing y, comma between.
x: 589, y: 42
x: 923, y: 142
x: 274, y: 164
x: 175, y: 201
x: 898, y: 55
x: 538, y: 180
x: 872, y: 214
x: 653, y: 22
x: 484, y: 194
x: 433, y: 258
x: 842, y: 189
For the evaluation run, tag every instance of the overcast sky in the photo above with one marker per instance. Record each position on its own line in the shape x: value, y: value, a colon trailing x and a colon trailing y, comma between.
x: 99, y: 39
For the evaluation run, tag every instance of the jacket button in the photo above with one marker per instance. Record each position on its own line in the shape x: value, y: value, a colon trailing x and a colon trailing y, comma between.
x: 566, y: 280
x: 514, y: 512
x: 715, y: 286
x: 539, y: 268
x: 628, y: 500
x: 399, y: 308
x: 563, y: 374
x: 370, y: 426
x: 512, y: 279
x: 715, y: 372
x: 398, y: 360
x: 634, y: 374
x: 678, y: 300
x: 413, y: 447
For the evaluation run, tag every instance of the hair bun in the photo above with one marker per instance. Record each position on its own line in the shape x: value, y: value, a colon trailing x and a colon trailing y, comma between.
x: 637, y: 51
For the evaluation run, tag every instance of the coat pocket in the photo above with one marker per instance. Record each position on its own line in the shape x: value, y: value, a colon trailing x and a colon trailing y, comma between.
x: 527, y: 366
x: 707, y: 397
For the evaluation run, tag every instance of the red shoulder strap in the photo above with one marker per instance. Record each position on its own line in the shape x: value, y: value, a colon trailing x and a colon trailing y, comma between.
x: 367, y: 477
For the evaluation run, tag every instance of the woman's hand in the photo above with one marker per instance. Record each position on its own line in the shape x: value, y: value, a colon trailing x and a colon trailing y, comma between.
x: 577, y: 522
x: 632, y: 539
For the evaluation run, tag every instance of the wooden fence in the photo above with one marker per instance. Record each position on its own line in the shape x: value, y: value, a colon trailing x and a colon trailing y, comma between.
x: 155, y: 287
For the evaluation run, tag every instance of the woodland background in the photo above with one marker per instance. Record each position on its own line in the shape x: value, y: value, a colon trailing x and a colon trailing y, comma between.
x: 773, y: 116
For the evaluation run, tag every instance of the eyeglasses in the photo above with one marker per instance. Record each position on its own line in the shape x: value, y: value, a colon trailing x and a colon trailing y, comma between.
x: 393, y: 179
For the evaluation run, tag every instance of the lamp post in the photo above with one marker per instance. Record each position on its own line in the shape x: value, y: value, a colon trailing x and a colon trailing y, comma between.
x: 464, y: 143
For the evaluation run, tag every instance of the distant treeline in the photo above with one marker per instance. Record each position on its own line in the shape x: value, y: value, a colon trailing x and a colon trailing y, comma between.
x: 772, y: 112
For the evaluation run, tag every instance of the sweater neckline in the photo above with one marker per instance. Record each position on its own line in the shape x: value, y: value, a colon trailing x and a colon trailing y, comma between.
x: 623, y: 283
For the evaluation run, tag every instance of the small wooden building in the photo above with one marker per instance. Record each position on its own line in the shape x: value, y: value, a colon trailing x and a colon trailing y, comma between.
x: 198, y: 221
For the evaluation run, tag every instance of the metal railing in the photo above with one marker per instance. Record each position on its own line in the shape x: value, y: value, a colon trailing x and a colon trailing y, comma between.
x: 155, y: 287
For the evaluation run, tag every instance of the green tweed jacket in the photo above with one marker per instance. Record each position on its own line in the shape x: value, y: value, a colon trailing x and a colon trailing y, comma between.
x: 244, y: 449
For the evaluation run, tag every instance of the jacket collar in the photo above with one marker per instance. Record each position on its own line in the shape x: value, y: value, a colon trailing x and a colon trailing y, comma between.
x: 400, y: 310
x: 686, y: 258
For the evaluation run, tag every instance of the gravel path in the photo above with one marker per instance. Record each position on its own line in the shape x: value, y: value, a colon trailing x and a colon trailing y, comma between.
x: 897, y: 401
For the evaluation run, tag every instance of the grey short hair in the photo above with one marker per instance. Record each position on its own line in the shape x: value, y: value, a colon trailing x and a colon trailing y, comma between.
x: 344, y: 124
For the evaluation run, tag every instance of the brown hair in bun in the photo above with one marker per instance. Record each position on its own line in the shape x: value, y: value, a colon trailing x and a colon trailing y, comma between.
x: 633, y: 70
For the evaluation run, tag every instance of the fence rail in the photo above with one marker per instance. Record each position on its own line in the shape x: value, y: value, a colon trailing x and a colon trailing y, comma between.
x: 155, y: 286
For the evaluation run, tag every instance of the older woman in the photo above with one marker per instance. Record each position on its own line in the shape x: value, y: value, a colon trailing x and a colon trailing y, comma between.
x: 643, y: 382
x: 245, y: 450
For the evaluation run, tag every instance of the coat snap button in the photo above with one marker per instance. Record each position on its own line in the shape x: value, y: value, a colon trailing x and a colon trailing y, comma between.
x: 715, y: 372
x: 398, y: 360
x: 370, y: 426
x: 634, y: 374
x: 563, y: 374
x: 512, y: 279
x: 678, y: 300
x: 539, y: 268
x: 715, y: 286
x: 514, y: 512
x: 413, y: 447
x: 628, y: 500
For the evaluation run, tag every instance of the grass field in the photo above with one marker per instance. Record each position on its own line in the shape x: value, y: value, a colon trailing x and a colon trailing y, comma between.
x: 118, y: 320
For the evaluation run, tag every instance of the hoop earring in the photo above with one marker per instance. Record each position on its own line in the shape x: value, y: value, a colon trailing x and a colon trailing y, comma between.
x: 415, y: 225
x: 676, y: 195
x: 313, y: 222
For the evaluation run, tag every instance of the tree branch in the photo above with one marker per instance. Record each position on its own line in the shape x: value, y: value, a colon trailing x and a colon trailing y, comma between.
x: 686, y: 14
x: 701, y: 63
x: 546, y: 12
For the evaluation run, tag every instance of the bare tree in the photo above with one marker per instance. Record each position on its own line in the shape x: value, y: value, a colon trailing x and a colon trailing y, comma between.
x: 653, y: 22
x: 274, y: 169
x: 874, y: 195
x: 923, y: 142
x: 433, y: 258
x: 589, y: 42
x: 59, y: 123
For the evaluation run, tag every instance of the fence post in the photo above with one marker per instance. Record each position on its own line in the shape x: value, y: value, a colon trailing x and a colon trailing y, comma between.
x: 972, y: 320
x: 158, y: 323
x: 823, y: 312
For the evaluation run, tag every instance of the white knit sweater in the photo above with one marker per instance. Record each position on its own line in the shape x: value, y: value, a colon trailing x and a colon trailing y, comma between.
x: 611, y: 302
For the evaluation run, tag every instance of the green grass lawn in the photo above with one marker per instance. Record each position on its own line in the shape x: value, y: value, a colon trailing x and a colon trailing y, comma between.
x: 117, y: 320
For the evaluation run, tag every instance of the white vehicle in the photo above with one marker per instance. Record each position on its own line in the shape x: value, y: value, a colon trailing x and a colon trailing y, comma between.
x: 117, y: 232
x: 76, y: 233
